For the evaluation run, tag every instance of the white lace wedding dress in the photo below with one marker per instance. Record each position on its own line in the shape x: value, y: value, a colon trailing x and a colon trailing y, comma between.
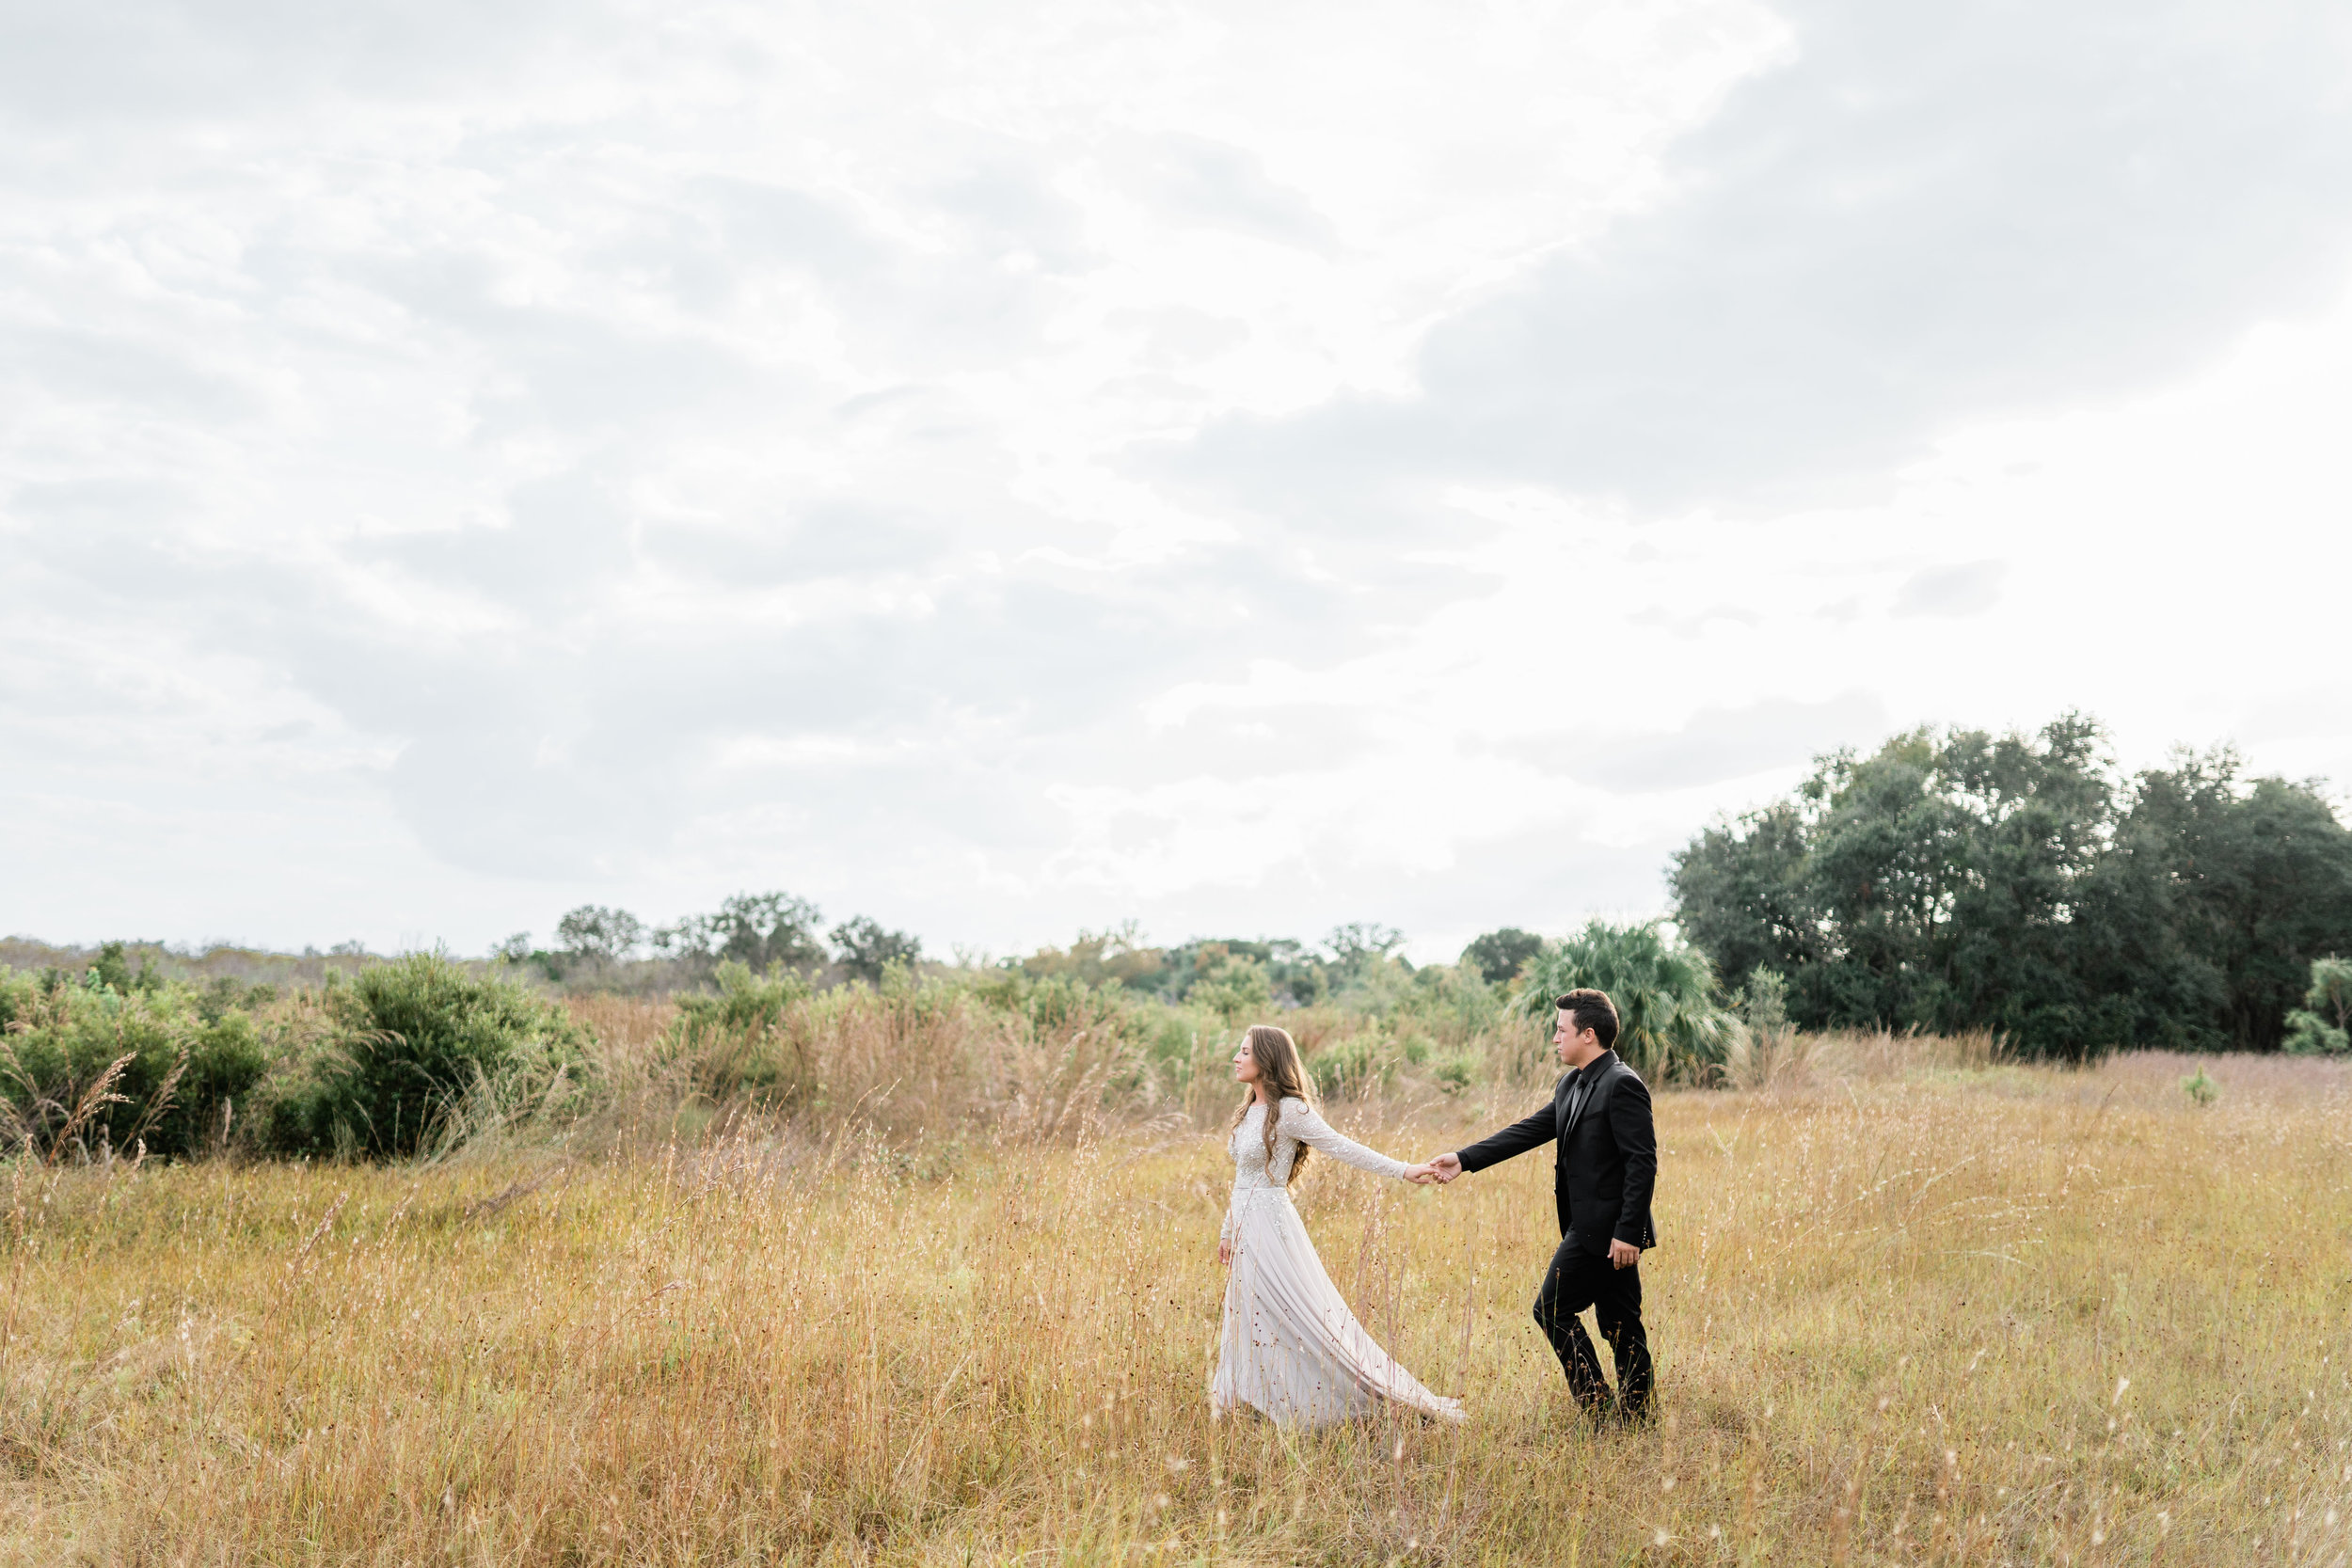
x: 1290, y: 1345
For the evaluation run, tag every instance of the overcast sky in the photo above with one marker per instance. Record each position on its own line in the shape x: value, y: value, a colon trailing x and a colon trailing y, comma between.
x: 1011, y: 468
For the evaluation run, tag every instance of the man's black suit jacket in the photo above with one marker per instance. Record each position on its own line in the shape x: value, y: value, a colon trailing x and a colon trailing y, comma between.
x: 1607, y: 1163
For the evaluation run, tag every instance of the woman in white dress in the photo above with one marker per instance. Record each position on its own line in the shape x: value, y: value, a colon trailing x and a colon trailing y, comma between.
x: 1289, y: 1347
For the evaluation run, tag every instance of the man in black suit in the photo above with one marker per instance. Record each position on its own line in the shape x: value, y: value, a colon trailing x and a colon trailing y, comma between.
x: 1607, y: 1163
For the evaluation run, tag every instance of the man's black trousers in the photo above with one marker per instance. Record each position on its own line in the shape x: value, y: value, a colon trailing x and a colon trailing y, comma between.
x: 1577, y: 1279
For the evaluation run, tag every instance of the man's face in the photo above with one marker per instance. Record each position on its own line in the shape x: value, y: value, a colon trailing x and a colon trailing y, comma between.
x: 1576, y: 1046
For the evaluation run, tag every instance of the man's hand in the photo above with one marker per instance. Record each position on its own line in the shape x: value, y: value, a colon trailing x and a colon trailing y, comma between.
x: 1623, y: 1255
x: 1225, y: 1252
x: 1445, y: 1167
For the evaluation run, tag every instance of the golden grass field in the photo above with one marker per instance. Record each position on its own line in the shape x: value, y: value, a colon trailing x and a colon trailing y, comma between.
x: 1910, y: 1313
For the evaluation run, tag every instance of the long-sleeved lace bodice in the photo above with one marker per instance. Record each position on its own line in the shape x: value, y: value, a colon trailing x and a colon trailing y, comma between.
x: 1297, y: 1124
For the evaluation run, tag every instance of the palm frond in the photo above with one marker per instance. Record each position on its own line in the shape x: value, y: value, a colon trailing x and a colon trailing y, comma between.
x: 1671, y: 1022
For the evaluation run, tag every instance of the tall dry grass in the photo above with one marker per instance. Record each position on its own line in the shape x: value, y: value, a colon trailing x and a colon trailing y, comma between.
x: 1933, y: 1312
x: 907, y: 1065
x: 1788, y: 1059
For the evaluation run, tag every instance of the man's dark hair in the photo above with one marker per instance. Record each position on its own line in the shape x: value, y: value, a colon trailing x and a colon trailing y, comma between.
x: 1592, y: 1009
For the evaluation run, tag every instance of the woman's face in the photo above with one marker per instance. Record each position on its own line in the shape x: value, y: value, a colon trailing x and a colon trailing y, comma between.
x: 1246, y: 1064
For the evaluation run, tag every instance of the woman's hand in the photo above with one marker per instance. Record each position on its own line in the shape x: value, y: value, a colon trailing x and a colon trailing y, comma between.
x: 1225, y: 1251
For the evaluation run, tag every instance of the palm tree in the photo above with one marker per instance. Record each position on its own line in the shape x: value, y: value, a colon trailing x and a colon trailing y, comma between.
x: 1670, y: 1023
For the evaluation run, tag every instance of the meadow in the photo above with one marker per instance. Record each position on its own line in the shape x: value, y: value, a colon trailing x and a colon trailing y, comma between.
x: 1913, y: 1303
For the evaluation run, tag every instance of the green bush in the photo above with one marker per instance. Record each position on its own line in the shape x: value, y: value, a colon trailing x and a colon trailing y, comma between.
x: 1351, y: 1064
x: 2322, y: 1025
x: 737, y: 1044
x: 744, y: 1001
x: 1059, y: 1004
x: 410, y: 1041
x: 1455, y: 1072
x: 2309, y: 1035
x: 189, y: 1058
x: 1172, y: 1039
x: 1234, y: 986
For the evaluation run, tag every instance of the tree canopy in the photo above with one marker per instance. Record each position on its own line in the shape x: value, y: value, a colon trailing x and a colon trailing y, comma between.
x: 864, y: 947
x: 758, y: 930
x: 1499, y: 955
x: 1953, y: 880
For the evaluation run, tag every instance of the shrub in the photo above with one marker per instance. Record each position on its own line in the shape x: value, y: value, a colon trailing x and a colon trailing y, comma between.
x: 186, y: 1056
x: 1456, y: 1002
x: 745, y: 1001
x: 227, y: 994
x: 1058, y: 1006
x: 1455, y: 1072
x: 1767, y: 1050
x: 1232, y: 985
x: 2309, y: 1035
x: 1172, y: 1040
x: 1669, y: 1023
x: 735, y: 1044
x: 2322, y: 1025
x: 407, y: 1043
x: 1352, y: 1064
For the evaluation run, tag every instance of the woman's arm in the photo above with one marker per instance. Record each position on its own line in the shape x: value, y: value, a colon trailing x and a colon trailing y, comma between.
x: 1299, y: 1121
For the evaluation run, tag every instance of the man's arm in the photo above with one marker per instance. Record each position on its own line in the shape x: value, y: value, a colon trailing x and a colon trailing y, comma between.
x: 1637, y: 1141
x: 1529, y: 1133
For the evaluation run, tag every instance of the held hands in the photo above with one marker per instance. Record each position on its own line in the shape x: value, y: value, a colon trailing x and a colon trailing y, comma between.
x: 1444, y: 1168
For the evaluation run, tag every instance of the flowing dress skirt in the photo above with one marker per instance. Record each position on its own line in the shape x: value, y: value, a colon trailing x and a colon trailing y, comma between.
x: 1291, y: 1347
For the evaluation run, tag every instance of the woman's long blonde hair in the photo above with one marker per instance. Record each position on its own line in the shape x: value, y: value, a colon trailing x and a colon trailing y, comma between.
x: 1278, y: 1069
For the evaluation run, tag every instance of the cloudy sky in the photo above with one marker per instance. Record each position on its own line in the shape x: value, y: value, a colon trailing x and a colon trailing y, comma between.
x: 1006, y: 468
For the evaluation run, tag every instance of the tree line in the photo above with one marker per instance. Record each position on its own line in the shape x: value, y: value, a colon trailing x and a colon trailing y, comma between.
x: 1950, y: 879
x: 1954, y: 880
x: 759, y: 930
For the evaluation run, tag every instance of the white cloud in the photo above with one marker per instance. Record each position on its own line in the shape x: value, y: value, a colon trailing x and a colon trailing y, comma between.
x: 1245, y: 467
x: 1968, y: 589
